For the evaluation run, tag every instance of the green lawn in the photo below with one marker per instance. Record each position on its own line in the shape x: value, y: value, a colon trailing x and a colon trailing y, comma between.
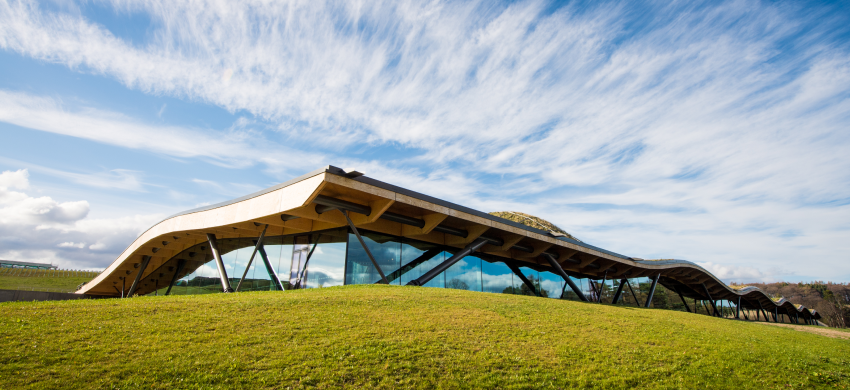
x: 42, y: 283
x: 398, y: 337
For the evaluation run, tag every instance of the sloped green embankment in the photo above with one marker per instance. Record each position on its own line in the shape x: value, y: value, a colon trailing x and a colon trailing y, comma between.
x: 398, y: 337
x: 43, y: 280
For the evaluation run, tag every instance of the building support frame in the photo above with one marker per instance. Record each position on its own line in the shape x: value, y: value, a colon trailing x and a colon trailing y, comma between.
x: 554, y: 263
x: 222, y: 273
x: 525, y: 280
x: 466, y: 251
x: 145, y: 260
x: 365, y: 248
x: 251, y: 259
x: 652, y: 290
x: 181, y: 263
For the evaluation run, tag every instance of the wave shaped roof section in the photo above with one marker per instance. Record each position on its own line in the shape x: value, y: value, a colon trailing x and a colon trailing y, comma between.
x: 313, y: 202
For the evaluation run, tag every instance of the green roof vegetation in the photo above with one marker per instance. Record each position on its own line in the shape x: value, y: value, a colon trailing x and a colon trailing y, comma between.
x: 398, y: 337
x: 43, y: 280
x: 532, y: 221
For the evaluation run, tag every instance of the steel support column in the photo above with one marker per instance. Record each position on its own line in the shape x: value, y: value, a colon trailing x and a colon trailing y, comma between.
x: 629, y: 285
x: 145, y: 261
x: 272, y: 274
x: 180, y: 264
x: 619, y: 291
x: 738, y: 308
x: 428, y: 255
x: 601, y: 287
x: 525, y: 280
x: 251, y: 259
x: 652, y: 290
x: 596, y: 289
x: 222, y: 273
x: 766, y: 318
x: 365, y: 248
x: 683, y: 299
x: 469, y: 249
x: 710, y: 300
x: 557, y: 266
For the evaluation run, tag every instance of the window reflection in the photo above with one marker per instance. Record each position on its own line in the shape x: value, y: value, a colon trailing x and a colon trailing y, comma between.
x: 338, y: 258
x: 385, y: 249
x: 465, y: 274
x: 497, y: 277
x: 326, y: 267
x: 552, y: 284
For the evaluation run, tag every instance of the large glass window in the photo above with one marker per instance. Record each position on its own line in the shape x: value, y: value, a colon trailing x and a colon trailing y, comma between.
x: 521, y: 288
x: 569, y: 293
x: 359, y: 268
x: 497, y: 277
x: 552, y: 284
x: 418, y: 258
x: 326, y: 267
x: 465, y: 274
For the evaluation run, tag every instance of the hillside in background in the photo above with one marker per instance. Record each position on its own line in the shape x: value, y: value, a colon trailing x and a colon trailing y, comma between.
x: 28, y: 279
x: 399, y: 337
x: 831, y: 300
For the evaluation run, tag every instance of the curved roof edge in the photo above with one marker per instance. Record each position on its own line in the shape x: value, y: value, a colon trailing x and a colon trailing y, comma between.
x: 296, y: 197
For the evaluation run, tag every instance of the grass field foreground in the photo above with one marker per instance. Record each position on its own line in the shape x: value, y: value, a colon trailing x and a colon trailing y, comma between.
x: 398, y: 337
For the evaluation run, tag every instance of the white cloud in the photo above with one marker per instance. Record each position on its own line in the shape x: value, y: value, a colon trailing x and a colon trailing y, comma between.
x: 713, y: 134
x: 19, y: 208
x: 18, y: 179
x: 730, y: 272
x: 30, y: 225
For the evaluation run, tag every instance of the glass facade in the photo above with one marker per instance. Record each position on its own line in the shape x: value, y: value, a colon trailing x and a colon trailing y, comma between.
x: 336, y: 257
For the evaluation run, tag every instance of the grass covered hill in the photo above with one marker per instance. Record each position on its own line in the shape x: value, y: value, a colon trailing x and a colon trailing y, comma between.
x: 532, y: 221
x: 398, y: 337
x: 53, y: 280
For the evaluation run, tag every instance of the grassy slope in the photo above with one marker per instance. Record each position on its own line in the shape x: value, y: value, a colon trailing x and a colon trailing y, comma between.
x: 57, y: 284
x: 384, y: 336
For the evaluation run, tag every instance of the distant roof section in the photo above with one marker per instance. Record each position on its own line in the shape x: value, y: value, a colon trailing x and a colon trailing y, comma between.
x: 532, y: 221
x: 26, y: 264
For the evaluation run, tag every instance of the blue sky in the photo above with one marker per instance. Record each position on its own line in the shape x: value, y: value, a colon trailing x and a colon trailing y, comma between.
x: 715, y: 132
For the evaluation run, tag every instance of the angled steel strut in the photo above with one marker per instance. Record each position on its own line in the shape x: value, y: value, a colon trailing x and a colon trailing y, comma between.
x: 222, y: 273
x: 270, y: 269
x: 601, y: 287
x: 652, y: 290
x: 428, y: 255
x: 525, y: 280
x: 145, y: 261
x: 365, y: 248
x: 251, y: 260
x: 629, y: 285
x: 180, y: 264
x: 713, y: 306
x: 682, y: 298
x: 472, y: 247
x: 619, y: 291
x: 554, y: 263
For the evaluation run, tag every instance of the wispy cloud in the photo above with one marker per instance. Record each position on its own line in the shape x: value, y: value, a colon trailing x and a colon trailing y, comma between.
x: 689, y: 129
x: 31, y: 226
x: 235, y: 147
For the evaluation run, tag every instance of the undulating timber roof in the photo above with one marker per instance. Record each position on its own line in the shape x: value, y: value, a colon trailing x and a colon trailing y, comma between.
x: 293, y: 207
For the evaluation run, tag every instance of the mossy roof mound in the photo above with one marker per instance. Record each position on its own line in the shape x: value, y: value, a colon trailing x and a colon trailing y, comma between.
x: 532, y: 221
